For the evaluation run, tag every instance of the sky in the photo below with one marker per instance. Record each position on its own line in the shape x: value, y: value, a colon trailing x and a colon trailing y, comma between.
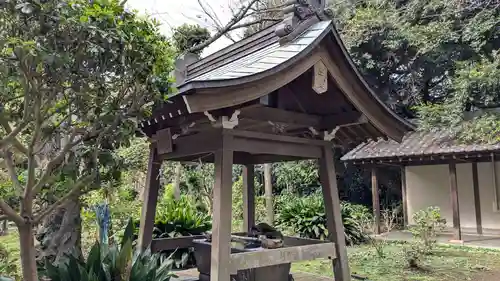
x: 172, y: 13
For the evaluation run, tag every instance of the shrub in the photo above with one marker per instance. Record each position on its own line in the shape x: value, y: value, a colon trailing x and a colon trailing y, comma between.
x: 305, y: 216
x: 428, y: 224
x: 112, y: 263
x: 176, y: 218
x: 412, y: 255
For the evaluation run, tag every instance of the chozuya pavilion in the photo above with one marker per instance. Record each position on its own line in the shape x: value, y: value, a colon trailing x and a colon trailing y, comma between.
x: 288, y: 92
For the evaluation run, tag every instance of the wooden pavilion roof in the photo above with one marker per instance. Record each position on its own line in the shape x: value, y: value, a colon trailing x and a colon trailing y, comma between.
x: 420, y: 148
x: 265, y: 83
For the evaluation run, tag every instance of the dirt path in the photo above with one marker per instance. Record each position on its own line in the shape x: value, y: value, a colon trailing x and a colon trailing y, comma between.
x: 487, y: 276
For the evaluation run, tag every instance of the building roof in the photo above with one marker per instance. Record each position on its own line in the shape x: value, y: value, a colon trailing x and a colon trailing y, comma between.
x: 281, y: 67
x: 266, y: 58
x: 416, y: 145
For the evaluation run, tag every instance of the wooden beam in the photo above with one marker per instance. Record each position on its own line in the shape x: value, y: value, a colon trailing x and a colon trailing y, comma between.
x: 269, y: 257
x: 262, y: 146
x: 336, y: 235
x: 273, y: 137
x: 150, y: 199
x: 248, y: 197
x: 477, y: 199
x: 280, y: 116
x: 422, y: 160
x: 375, y: 200
x: 221, y: 228
x: 185, y: 146
x: 163, y: 244
x: 290, y: 241
x: 457, y: 235
x: 404, y: 196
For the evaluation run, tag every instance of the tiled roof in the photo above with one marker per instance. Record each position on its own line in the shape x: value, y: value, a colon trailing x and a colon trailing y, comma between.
x: 266, y: 58
x: 415, y: 144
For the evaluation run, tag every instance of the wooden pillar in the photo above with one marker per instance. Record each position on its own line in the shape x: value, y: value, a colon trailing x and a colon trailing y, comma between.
x: 221, y: 227
x: 177, y: 181
x: 150, y: 199
x: 268, y: 188
x: 477, y: 199
x: 495, y: 182
x: 457, y: 233
x: 375, y: 200
x: 248, y: 197
x: 404, y: 196
x: 333, y: 214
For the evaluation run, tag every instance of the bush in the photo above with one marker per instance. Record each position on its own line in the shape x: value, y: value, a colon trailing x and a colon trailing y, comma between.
x: 112, y: 263
x: 428, y: 224
x: 176, y: 218
x: 305, y: 216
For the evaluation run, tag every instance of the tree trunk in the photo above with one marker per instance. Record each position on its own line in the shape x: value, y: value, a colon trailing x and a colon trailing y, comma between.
x: 177, y: 181
x: 60, y: 234
x: 27, y: 248
x: 269, y: 194
x: 4, y: 228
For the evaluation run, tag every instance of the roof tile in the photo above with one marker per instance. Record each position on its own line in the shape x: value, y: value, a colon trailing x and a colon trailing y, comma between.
x: 415, y: 144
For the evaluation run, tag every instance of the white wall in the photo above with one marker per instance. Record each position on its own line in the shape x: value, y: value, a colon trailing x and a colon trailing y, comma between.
x: 430, y: 186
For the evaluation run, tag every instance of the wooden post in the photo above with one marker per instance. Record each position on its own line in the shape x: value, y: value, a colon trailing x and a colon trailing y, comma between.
x: 248, y: 197
x: 268, y: 187
x: 150, y: 199
x: 177, y: 181
x: 495, y: 182
x: 457, y: 235
x: 221, y: 227
x: 477, y: 199
x: 404, y: 196
x: 333, y: 214
x: 375, y: 200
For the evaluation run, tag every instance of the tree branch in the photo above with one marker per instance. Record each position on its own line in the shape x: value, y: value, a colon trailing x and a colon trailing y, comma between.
x: 12, y: 135
x: 250, y: 23
x: 49, y: 169
x: 10, y: 213
x: 75, y: 191
x: 228, y: 27
x: 27, y: 201
x: 11, y: 169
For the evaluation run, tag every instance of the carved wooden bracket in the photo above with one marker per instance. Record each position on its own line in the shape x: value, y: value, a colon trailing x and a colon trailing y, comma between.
x: 224, y: 121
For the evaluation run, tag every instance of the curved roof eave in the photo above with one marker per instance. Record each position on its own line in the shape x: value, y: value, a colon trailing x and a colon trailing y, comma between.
x: 328, y: 29
x: 194, y: 84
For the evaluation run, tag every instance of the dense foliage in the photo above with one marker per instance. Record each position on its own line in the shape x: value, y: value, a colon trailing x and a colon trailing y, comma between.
x: 187, y: 36
x: 176, y: 218
x: 305, y: 216
x: 432, y: 59
x: 118, y: 262
x: 74, y: 78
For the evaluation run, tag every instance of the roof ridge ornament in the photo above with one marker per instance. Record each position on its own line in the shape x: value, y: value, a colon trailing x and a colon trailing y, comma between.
x: 300, y: 15
x: 181, y: 67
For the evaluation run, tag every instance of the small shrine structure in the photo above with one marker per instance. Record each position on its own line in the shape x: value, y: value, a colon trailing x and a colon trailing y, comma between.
x: 289, y: 92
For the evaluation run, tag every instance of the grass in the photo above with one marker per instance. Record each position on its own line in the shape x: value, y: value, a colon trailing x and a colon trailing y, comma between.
x: 447, y: 263
x: 10, y: 243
